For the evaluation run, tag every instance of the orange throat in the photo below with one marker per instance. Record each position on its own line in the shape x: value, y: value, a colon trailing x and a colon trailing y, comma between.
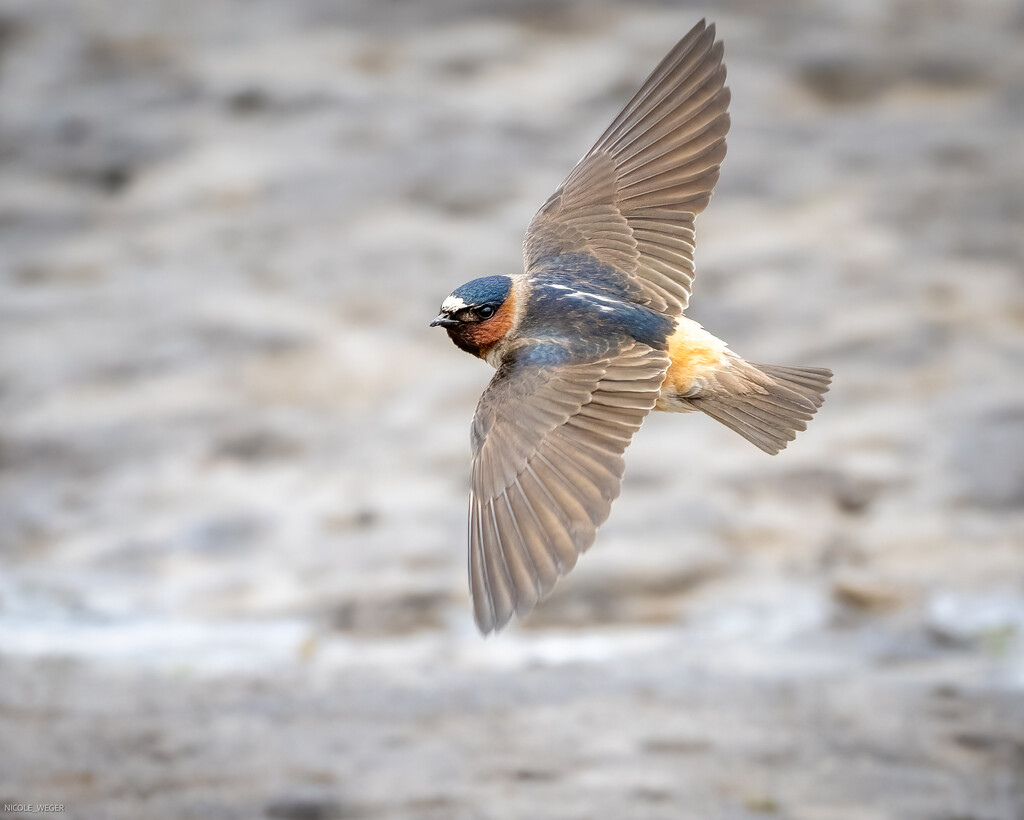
x: 484, y: 336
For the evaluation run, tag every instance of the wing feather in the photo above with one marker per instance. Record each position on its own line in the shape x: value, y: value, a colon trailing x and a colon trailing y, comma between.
x: 632, y: 200
x: 548, y: 445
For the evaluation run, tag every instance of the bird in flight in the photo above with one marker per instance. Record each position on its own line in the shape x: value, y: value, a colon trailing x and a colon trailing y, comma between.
x: 591, y: 337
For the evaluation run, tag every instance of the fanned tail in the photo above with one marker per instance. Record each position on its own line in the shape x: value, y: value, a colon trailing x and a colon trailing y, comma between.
x: 771, y: 405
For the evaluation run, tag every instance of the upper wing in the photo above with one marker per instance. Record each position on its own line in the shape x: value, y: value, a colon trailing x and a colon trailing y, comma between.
x: 632, y: 199
x: 547, y: 463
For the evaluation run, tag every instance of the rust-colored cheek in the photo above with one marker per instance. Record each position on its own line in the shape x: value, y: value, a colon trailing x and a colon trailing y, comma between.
x: 484, y: 335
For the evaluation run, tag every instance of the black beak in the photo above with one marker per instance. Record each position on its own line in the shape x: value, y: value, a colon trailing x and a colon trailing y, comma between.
x: 443, y: 320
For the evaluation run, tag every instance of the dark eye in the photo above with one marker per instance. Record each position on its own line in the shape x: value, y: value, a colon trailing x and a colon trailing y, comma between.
x: 486, y: 312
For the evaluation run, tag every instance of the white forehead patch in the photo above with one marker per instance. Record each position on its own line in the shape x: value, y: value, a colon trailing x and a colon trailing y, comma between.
x: 453, y: 304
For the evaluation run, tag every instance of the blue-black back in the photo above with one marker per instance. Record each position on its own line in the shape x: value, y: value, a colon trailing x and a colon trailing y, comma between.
x: 588, y: 307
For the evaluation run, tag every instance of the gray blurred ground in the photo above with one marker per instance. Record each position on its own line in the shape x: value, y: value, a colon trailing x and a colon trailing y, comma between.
x: 234, y: 459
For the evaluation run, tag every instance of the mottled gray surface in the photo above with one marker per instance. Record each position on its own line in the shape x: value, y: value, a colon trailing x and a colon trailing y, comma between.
x: 233, y: 457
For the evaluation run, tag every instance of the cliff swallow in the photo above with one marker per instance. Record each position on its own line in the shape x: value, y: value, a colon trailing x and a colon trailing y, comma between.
x: 592, y: 337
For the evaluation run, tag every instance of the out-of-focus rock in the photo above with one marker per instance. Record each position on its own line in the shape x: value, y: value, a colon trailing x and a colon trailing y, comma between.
x: 308, y: 805
x: 865, y: 591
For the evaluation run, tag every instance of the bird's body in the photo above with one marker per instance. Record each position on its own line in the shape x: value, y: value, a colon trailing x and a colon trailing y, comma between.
x: 592, y: 337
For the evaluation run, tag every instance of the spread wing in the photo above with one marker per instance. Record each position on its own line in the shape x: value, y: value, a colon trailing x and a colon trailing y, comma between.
x: 631, y: 201
x: 547, y: 464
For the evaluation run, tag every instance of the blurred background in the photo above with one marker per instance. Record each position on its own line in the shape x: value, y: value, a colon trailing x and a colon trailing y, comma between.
x: 234, y: 459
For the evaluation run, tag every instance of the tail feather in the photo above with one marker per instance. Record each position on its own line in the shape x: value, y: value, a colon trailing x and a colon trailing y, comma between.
x: 810, y: 382
x: 775, y: 404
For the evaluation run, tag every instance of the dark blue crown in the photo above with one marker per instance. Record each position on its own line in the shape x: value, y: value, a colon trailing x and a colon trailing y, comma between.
x: 487, y: 290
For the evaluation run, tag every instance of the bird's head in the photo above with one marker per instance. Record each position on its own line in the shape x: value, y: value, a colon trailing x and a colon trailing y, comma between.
x: 477, y: 315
